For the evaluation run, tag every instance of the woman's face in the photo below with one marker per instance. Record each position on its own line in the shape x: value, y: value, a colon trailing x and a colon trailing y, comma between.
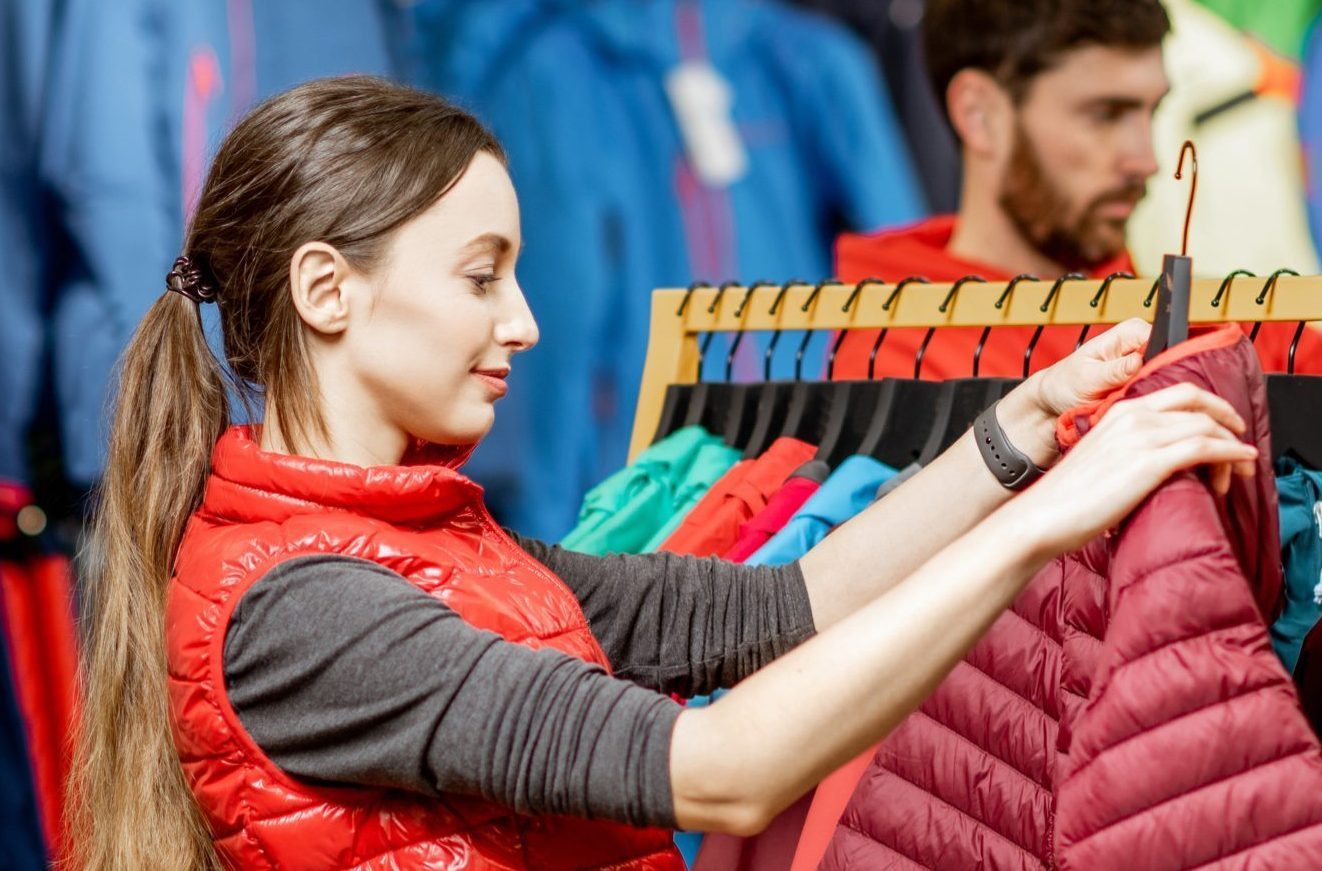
x: 433, y: 348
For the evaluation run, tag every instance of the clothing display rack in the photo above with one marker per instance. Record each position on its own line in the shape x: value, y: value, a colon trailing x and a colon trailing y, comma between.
x: 680, y: 316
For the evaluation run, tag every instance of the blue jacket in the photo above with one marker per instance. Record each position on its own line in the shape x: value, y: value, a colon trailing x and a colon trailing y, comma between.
x: 140, y: 94
x: 612, y: 209
x: 25, y: 37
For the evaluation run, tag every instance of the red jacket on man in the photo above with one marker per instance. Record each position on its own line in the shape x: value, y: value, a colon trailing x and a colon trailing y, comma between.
x: 921, y: 249
x: 1128, y: 712
x: 427, y: 522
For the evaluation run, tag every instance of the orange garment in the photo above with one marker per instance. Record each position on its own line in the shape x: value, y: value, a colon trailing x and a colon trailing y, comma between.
x: 712, y: 527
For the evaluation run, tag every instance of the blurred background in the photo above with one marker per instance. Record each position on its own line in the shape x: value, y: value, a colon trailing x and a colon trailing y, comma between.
x: 824, y: 122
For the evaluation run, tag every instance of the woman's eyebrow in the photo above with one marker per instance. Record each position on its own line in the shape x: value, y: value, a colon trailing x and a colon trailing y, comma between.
x: 494, y: 242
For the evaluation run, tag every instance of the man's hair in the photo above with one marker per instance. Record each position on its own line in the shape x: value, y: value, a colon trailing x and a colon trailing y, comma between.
x: 1015, y: 40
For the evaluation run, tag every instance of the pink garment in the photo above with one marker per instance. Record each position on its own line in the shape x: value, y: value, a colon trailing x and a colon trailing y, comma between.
x: 758, y: 530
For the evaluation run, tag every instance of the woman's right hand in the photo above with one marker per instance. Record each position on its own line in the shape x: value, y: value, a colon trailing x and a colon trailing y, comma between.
x: 1137, y: 446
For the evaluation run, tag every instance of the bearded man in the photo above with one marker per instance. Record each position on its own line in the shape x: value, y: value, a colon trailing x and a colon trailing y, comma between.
x: 1052, y: 102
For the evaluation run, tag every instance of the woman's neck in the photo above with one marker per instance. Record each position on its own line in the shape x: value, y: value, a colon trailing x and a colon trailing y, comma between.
x: 338, y: 444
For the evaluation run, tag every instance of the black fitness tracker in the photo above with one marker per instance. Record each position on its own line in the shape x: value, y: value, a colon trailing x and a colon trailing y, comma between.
x: 1011, y: 466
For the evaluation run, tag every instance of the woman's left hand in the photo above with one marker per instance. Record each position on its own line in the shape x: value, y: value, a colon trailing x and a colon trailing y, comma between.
x: 1092, y: 372
x: 1104, y: 363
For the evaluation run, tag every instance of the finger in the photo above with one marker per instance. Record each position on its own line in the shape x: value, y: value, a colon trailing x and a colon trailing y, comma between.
x: 1171, y: 426
x: 1126, y: 337
x: 1187, y: 397
x: 1119, y: 370
x: 1220, y: 479
x: 1202, y: 451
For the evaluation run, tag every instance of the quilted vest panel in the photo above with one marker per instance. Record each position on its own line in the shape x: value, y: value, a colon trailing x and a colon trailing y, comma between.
x: 1128, y: 711
x: 425, y: 521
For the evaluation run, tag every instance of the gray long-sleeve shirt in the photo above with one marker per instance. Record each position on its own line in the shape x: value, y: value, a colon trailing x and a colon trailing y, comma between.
x: 344, y: 672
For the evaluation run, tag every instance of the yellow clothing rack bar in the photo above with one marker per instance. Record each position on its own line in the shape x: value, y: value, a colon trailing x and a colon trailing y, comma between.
x: 672, y: 345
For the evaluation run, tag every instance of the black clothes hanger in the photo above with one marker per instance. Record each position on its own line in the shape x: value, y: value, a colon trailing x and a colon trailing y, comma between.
x: 742, y: 399
x: 1292, y: 401
x: 709, y: 400
x: 905, y: 409
x: 773, y: 396
x: 674, y: 408
x: 851, y: 403
x: 1044, y: 308
x: 840, y: 336
x: 946, y: 395
x: 1170, y: 325
x: 963, y: 399
x: 805, y: 417
x: 862, y: 405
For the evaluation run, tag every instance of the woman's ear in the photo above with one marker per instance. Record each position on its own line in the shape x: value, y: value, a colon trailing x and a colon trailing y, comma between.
x: 981, y: 113
x: 318, y: 275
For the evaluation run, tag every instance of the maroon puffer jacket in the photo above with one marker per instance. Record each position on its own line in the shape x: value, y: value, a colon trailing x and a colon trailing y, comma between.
x: 1128, y: 712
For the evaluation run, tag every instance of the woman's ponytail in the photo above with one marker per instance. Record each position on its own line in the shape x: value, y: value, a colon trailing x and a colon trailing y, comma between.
x: 130, y: 807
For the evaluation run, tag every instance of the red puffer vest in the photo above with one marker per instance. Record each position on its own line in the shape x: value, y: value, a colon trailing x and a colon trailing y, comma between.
x: 1128, y: 711
x: 427, y: 522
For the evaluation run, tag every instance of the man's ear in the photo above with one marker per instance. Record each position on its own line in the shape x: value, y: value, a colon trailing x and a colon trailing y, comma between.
x: 317, y: 277
x: 981, y: 112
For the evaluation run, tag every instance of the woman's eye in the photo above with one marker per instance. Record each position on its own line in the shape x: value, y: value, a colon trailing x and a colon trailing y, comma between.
x: 484, y: 281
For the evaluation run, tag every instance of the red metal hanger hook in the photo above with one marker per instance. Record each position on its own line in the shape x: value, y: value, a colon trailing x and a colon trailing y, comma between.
x: 1187, y: 148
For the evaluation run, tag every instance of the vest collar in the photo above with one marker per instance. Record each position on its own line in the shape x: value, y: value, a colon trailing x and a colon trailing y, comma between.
x: 248, y: 484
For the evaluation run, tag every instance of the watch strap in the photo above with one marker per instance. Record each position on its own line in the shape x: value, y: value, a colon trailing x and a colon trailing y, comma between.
x: 1011, y: 466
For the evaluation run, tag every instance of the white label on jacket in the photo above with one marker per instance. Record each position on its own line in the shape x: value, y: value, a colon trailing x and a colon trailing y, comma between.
x: 703, y: 101
x: 1317, y: 525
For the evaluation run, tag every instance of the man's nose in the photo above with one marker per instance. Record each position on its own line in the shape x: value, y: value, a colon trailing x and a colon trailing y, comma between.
x: 1139, y: 158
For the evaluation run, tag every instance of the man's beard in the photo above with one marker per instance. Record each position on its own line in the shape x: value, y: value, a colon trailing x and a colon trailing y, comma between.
x: 1041, y: 213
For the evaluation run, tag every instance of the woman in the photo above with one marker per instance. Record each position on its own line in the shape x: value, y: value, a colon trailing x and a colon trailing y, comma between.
x: 357, y: 668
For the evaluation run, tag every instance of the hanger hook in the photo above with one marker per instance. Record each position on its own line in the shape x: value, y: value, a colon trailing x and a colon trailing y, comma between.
x: 1097, y: 300
x: 1188, y: 148
x: 807, y: 334
x: 1152, y: 294
x: 688, y: 295
x: 1270, y: 285
x: 775, y: 334
x: 840, y: 336
x: 904, y: 282
x: 886, y: 306
x: 1010, y: 286
x: 1225, y: 285
x: 761, y: 282
x: 1044, y: 308
x: 954, y: 290
x: 1106, y: 286
x: 1055, y: 289
x: 720, y: 292
x: 1000, y: 302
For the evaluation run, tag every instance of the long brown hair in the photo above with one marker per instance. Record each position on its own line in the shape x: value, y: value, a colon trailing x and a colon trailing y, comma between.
x: 345, y: 161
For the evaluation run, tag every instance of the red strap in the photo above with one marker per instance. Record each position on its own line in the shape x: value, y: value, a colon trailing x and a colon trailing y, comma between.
x: 828, y: 806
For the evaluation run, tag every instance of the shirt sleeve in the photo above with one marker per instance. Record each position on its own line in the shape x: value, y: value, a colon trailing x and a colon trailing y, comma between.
x: 344, y: 672
x: 680, y: 624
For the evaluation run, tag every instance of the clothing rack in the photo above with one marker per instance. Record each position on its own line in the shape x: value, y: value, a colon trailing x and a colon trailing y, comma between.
x: 680, y: 316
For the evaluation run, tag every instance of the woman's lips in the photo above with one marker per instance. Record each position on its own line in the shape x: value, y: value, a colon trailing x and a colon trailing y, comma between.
x: 494, y: 381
